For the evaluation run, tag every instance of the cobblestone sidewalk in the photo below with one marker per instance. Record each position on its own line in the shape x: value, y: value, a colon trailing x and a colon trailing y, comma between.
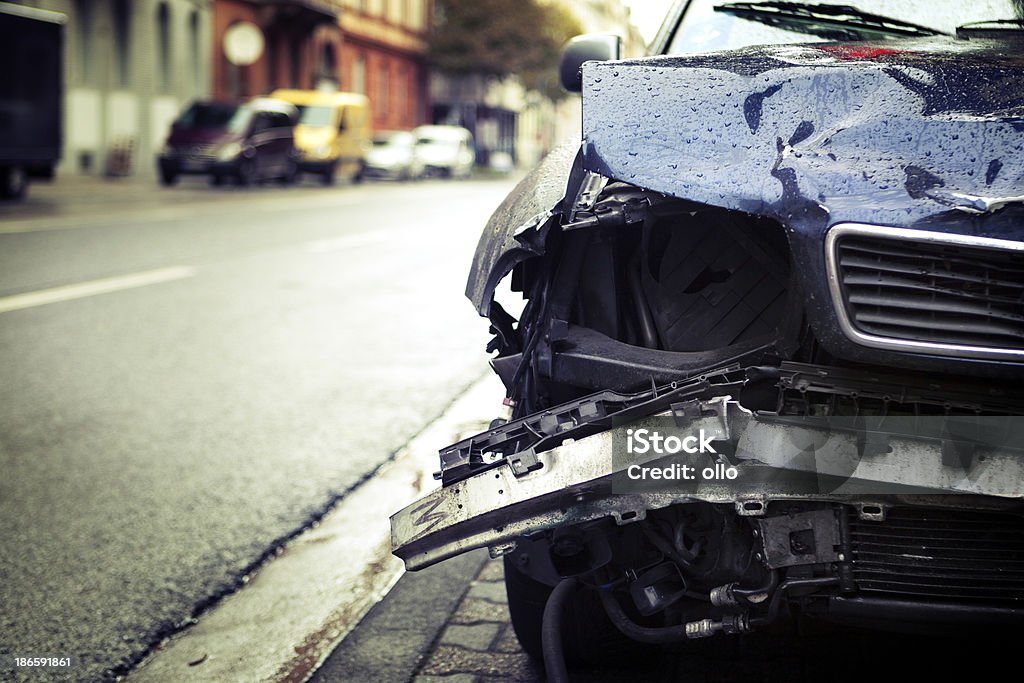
x: 478, y: 643
x: 450, y: 624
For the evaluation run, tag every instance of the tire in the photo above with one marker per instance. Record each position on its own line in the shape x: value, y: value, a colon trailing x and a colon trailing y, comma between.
x: 588, y: 636
x: 13, y: 182
x: 216, y: 180
x: 291, y: 174
x: 328, y: 176
x: 168, y: 177
x: 246, y: 173
x: 360, y: 175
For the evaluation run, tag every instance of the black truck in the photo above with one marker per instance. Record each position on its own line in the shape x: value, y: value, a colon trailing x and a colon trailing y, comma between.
x: 31, y: 93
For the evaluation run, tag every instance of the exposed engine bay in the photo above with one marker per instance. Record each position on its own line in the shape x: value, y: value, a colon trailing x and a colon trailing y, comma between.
x: 676, y: 309
x: 832, y: 331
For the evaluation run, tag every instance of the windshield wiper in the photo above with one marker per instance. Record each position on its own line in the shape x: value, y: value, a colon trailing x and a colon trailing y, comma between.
x: 832, y: 22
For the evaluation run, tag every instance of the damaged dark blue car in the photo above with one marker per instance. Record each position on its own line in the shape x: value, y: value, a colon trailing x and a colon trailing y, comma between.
x: 798, y: 228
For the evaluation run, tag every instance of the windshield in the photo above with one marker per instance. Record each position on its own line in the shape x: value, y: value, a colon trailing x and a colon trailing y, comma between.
x: 315, y: 115
x: 705, y: 30
x: 438, y: 142
x: 210, y: 116
x: 239, y: 122
x: 392, y: 140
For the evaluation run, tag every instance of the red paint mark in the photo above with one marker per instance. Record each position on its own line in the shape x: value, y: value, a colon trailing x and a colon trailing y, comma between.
x: 852, y: 52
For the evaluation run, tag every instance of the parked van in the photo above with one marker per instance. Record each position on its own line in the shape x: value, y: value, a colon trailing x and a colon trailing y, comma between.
x: 251, y: 142
x: 333, y: 132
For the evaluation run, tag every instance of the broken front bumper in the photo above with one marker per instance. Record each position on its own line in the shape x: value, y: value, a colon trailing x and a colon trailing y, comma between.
x: 569, y: 465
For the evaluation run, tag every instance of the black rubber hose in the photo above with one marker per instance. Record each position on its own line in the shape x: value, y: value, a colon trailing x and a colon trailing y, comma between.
x: 648, y: 330
x: 777, y: 598
x: 767, y: 587
x: 551, y: 632
x: 630, y: 629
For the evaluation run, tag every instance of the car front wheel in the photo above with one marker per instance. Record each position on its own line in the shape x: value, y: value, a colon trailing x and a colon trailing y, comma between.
x: 246, y: 173
x: 13, y: 182
x: 168, y: 177
x: 290, y: 174
x: 327, y: 178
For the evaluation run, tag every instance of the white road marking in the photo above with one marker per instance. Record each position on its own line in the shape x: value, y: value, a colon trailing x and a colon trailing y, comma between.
x: 345, y: 242
x: 94, y: 287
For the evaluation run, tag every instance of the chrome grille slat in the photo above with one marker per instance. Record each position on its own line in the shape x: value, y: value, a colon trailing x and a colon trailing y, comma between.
x: 928, y: 292
x: 961, y: 307
x: 984, y: 327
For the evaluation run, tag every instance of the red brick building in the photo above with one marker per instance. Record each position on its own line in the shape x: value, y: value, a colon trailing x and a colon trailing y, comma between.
x: 384, y: 57
x: 374, y: 47
x: 298, y: 37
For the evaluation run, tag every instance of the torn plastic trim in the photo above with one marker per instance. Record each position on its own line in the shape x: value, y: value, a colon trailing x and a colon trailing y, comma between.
x: 573, y: 420
x: 518, y: 228
x: 574, y: 481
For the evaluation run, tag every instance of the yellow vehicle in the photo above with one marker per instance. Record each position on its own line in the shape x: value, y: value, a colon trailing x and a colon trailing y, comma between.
x: 333, y: 132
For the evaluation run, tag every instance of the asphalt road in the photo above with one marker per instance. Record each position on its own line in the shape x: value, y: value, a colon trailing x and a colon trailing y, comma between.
x: 204, y: 372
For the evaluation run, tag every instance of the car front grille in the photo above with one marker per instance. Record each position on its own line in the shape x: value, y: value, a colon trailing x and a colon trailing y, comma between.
x: 950, y: 555
x: 196, y: 152
x: 929, y: 292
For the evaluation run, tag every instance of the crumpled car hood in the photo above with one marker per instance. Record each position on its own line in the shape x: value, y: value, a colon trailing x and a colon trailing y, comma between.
x: 884, y: 133
x: 892, y: 133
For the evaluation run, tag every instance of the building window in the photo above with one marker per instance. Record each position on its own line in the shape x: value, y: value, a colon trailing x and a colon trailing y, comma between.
x: 417, y: 15
x: 295, y: 64
x: 84, y: 41
x: 402, y: 91
x: 163, y: 38
x: 382, y: 91
x: 270, y: 58
x: 122, y: 42
x: 328, y: 64
x: 394, y: 10
x: 193, y: 48
x: 359, y: 75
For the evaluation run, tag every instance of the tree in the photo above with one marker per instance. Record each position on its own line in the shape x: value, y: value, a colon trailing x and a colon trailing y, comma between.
x: 499, y: 38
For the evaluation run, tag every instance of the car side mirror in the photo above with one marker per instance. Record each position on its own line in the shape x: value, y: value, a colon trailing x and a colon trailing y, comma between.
x: 600, y: 47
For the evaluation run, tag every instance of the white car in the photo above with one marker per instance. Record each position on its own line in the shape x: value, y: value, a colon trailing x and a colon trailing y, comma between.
x: 393, y: 154
x: 448, y: 151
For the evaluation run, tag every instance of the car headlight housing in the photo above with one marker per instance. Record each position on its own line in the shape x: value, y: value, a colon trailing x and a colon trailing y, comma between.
x: 229, y: 151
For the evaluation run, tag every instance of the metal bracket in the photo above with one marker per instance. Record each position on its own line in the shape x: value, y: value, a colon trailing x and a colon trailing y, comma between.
x: 501, y: 549
x: 586, y: 198
x: 799, y: 539
x: 524, y: 462
x: 685, y: 412
x: 871, y: 512
x: 750, y: 507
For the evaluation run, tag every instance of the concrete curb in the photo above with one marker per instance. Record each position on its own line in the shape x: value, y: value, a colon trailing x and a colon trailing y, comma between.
x: 294, y: 610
